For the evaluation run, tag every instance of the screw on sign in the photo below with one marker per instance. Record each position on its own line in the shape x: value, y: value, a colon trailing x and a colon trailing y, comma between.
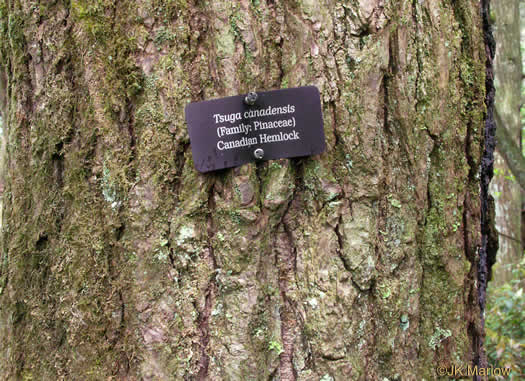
x: 250, y: 98
x: 258, y: 153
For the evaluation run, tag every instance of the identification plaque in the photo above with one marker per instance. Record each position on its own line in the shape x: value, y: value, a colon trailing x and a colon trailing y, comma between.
x: 232, y: 131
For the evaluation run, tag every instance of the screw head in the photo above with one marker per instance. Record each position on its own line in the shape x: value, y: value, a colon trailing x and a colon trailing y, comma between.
x: 250, y: 98
x: 258, y: 153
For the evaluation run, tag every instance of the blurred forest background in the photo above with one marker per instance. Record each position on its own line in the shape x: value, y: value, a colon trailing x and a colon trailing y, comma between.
x: 505, y: 315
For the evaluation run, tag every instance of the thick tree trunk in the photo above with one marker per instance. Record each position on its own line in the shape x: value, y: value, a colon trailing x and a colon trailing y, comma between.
x: 508, y: 73
x: 120, y: 261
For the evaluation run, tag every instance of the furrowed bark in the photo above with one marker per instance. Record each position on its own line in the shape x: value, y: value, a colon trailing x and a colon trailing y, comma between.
x: 120, y: 260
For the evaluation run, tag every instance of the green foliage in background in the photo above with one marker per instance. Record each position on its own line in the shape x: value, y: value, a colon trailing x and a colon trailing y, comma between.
x: 505, y: 324
x: 522, y: 47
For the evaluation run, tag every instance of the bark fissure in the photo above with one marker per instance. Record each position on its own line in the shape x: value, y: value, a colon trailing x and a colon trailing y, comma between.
x: 210, y: 293
x: 204, y: 322
x: 417, y: 42
x: 334, y: 118
x: 487, y: 163
x: 287, y: 269
x: 339, y: 235
x: 287, y: 314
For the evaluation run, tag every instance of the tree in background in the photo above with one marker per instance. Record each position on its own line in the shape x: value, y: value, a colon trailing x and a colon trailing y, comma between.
x: 120, y: 261
x: 506, y: 303
x: 505, y: 187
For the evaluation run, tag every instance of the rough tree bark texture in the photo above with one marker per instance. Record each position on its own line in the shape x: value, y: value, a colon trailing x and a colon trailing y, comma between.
x: 508, y: 73
x: 120, y: 261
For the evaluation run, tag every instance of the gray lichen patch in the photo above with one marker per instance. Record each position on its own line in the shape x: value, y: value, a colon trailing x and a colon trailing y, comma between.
x: 358, y: 244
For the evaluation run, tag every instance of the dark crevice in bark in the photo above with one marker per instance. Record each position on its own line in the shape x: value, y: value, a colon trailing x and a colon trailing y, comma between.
x: 393, y: 53
x: 4, y: 274
x: 171, y: 257
x: 382, y: 213
x: 387, y: 76
x: 203, y: 324
x: 119, y: 232
x: 435, y: 148
x: 61, y: 63
x: 280, y: 63
x: 384, y: 86
x: 415, y: 17
x: 382, y: 206
x: 466, y: 242
x: 340, y: 241
x: 211, y: 290
x: 288, y: 328
x: 122, y: 311
x: 287, y: 269
x: 127, y: 125
x: 422, y: 228
x: 28, y: 102
x: 179, y: 162
x: 492, y: 236
x: 114, y: 334
x: 171, y: 251
x: 333, y: 106
x: 487, y: 163
x: 287, y: 312
x: 65, y: 66
x: 365, y: 31
x: 369, y: 354
x: 338, y: 147
x: 466, y: 204
x: 273, y: 375
x: 293, y: 248
x: 199, y: 24
x: 468, y: 150
x: 470, y: 254
x: 41, y: 243
x: 259, y: 167
x: 130, y: 126
x: 58, y: 166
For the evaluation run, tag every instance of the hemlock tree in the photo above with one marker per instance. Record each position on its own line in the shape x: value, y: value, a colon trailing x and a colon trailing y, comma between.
x: 121, y: 261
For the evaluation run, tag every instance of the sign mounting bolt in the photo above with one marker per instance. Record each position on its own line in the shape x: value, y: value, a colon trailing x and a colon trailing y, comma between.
x: 258, y: 153
x: 250, y: 98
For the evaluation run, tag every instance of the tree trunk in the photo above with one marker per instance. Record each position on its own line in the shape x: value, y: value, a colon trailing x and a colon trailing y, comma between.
x: 121, y: 261
x: 508, y: 72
